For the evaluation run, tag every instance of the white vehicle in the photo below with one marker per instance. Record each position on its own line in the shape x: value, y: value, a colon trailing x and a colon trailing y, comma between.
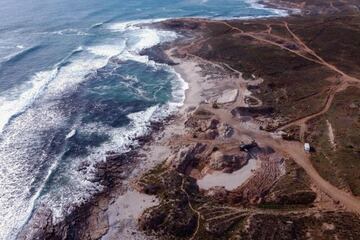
x: 307, y: 147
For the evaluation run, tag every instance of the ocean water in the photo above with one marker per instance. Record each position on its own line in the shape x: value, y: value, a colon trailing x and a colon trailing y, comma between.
x: 75, y: 65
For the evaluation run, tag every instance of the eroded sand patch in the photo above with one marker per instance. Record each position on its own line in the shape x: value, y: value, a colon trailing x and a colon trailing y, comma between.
x: 124, y: 212
x: 331, y: 133
x: 228, y: 96
x: 230, y: 181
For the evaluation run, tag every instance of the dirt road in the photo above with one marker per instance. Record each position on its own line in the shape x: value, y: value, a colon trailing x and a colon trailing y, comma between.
x: 293, y: 150
x: 296, y: 152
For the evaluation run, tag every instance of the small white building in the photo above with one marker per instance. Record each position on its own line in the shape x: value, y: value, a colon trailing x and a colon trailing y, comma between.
x: 307, y: 147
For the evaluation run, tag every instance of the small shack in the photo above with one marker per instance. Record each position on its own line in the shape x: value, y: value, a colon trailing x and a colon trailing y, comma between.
x: 307, y: 147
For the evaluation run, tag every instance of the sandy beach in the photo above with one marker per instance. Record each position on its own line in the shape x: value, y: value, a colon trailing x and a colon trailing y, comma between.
x: 204, y: 86
x: 153, y: 154
x: 221, y: 160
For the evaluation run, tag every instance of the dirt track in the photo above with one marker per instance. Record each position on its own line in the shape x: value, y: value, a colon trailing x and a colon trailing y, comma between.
x: 193, y: 209
x: 304, y: 52
x: 296, y: 152
x: 291, y: 149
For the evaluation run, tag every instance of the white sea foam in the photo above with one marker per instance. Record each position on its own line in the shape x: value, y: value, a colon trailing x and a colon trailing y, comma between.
x: 140, y: 39
x: 130, y: 78
x: 76, y: 71
x: 122, y: 138
x: 17, y: 100
x: 20, y: 50
x: 65, y: 32
x: 97, y: 25
x: 178, y: 90
x: 107, y: 50
x: 22, y: 137
x: 70, y: 76
x: 17, y: 146
x: 131, y: 25
x: 70, y: 31
x: 16, y: 201
x: 122, y: 26
x: 83, y: 185
x: 10, y: 106
x: 138, y: 127
x: 277, y: 12
x: 136, y: 39
x: 19, y: 153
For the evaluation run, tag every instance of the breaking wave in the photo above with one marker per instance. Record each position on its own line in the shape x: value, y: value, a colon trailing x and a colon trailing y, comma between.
x: 20, y: 54
x: 34, y: 120
x: 88, y: 91
x: 17, y: 100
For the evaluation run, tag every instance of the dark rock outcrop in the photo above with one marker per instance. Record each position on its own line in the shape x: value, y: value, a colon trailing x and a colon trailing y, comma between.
x: 228, y: 163
x: 158, y: 55
x: 252, y: 111
x: 298, y: 197
x: 173, y: 218
x: 176, y: 219
x: 187, y: 156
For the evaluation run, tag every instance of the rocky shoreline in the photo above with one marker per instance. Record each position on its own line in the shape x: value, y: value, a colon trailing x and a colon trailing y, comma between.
x: 90, y: 221
x: 213, y: 135
x: 285, y: 188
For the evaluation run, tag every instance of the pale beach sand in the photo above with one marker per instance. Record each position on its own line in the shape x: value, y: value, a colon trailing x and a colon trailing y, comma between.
x: 230, y: 181
x: 124, y: 211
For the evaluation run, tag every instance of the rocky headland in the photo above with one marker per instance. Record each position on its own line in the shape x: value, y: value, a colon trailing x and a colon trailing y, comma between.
x: 231, y: 163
